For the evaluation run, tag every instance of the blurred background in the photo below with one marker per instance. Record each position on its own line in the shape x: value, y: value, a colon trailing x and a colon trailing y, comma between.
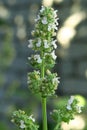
x: 16, y: 23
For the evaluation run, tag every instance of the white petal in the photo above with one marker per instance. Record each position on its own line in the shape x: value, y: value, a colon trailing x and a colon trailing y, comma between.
x: 55, y: 13
x: 78, y: 109
x: 42, y: 9
x: 56, y: 80
x: 38, y: 44
x: 69, y: 107
x: 31, y: 117
x: 29, y: 58
x: 70, y: 101
x: 29, y: 80
x: 44, y: 20
x: 54, y: 44
x: 49, y: 27
x: 39, y: 60
x: 46, y: 44
x: 36, y: 56
x: 56, y: 21
x: 53, y: 55
x: 38, y: 18
x: 22, y: 125
x: 30, y: 43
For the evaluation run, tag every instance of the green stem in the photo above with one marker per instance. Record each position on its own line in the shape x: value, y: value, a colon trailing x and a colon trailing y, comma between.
x: 44, y: 114
x: 58, y: 127
x: 44, y: 110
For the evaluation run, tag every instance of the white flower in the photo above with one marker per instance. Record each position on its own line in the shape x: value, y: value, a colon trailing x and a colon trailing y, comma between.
x: 55, y: 13
x: 48, y: 72
x: 78, y: 109
x: 46, y: 44
x: 49, y: 27
x: 70, y: 101
x: 56, y: 21
x: 37, y: 58
x: 38, y: 18
x: 31, y: 43
x: 69, y: 107
x: 32, y: 32
x: 54, y: 44
x: 53, y: 55
x: 12, y: 120
x: 42, y: 9
x: 29, y: 58
x: 38, y: 72
x: 56, y: 80
x: 54, y: 26
x: 29, y: 80
x: 22, y: 125
x: 44, y: 20
x: 14, y: 114
x: 31, y: 118
x: 38, y: 44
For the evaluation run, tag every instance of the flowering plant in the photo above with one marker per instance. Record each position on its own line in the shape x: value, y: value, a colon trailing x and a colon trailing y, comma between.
x: 41, y: 80
x: 66, y: 113
x: 23, y: 121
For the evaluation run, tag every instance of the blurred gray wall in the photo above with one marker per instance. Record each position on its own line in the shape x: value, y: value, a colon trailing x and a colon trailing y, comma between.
x: 16, y: 23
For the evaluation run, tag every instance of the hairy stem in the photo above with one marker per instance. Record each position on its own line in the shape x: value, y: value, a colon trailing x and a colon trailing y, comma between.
x: 44, y: 110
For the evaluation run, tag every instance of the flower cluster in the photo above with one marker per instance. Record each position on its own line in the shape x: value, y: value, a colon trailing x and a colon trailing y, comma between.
x: 73, y: 105
x: 46, y: 24
x: 34, y: 81
x: 67, y: 113
x: 46, y: 86
x: 23, y: 121
x: 44, y: 44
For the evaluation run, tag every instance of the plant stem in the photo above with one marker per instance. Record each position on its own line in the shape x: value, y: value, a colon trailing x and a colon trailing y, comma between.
x: 58, y: 127
x: 44, y: 110
x: 44, y: 114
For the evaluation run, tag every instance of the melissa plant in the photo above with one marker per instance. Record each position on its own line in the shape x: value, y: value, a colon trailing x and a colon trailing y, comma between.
x: 42, y: 81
